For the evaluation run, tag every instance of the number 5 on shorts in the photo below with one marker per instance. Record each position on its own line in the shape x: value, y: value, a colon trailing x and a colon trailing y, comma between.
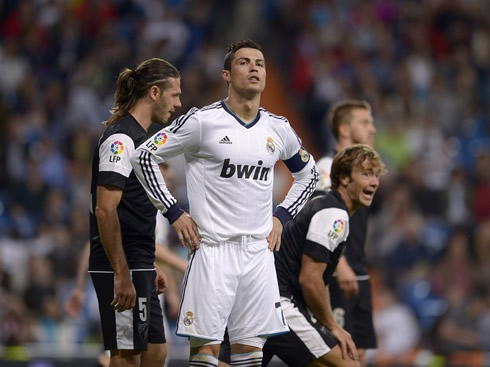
x: 142, y: 308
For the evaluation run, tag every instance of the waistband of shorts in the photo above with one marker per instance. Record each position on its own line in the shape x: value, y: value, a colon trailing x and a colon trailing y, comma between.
x: 243, y: 240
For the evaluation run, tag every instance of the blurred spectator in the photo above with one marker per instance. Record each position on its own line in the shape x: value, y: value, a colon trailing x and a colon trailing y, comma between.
x: 424, y: 67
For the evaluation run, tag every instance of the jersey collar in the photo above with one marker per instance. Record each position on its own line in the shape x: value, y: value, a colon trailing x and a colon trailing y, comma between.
x: 249, y: 125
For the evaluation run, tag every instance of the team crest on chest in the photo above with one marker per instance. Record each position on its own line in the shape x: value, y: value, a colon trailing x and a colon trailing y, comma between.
x: 189, y: 318
x: 271, y: 148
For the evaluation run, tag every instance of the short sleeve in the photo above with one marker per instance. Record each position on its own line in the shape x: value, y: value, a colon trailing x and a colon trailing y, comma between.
x: 329, y: 227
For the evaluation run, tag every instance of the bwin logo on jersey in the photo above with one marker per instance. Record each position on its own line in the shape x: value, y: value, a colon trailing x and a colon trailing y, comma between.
x: 244, y: 171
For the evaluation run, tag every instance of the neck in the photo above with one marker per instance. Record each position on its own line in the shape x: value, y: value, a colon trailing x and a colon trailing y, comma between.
x: 351, y: 206
x: 142, y: 114
x: 245, y: 108
x: 343, y: 143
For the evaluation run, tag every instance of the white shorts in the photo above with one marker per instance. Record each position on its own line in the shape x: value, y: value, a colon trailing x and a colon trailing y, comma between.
x: 231, y: 284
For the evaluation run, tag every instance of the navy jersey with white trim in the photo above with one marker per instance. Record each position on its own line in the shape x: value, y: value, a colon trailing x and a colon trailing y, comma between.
x: 111, y: 166
x: 320, y: 231
x: 229, y: 170
x: 355, y: 249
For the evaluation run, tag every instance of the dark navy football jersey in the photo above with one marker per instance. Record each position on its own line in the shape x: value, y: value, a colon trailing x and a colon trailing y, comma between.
x: 320, y: 231
x: 354, y: 251
x: 137, y: 215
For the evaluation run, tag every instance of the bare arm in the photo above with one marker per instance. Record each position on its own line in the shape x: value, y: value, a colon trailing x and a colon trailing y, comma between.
x: 74, y: 303
x: 318, y: 301
x: 164, y: 256
x: 108, y: 198
x: 347, y: 278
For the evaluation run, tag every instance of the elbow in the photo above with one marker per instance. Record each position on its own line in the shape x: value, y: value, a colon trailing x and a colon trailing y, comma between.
x: 305, y: 282
x: 101, y: 212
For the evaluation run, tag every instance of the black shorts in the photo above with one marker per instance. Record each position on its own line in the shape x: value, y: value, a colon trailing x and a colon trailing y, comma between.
x: 131, y: 329
x: 354, y: 314
x: 307, y: 340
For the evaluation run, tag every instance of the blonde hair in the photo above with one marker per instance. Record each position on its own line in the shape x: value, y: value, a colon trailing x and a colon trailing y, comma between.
x: 341, y: 113
x: 345, y: 160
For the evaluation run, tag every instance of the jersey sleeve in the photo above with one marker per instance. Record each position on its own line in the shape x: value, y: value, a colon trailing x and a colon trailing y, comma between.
x: 327, y: 230
x: 182, y: 136
x: 302, y: 166
x: 114, y: 160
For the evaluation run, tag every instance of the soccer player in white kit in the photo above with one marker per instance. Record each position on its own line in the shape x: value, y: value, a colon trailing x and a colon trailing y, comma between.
x: 230, y: 150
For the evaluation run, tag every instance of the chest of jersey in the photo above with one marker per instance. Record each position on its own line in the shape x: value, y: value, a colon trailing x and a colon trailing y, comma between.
x: 236, y: 151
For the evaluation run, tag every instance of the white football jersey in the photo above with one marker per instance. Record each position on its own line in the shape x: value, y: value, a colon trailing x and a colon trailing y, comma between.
x: 324, y: 166
x: 229, y: 170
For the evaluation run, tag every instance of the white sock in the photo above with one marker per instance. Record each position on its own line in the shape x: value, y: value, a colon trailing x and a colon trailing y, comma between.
x: 250, y: 359
x: 203, y: 360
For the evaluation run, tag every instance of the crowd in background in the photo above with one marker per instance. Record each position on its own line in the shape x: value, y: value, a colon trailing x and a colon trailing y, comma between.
x: 424, y: 66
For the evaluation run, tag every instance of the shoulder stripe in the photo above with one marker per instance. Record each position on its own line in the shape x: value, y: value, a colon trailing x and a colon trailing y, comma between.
x: 273, y: 115
x: 298, y: 203
x: 216, y: 105
x: 151, y: 179
x: 181, y: 120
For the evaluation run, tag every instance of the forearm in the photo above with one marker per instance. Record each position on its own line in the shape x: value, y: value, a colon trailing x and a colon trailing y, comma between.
x: 146, y: 169
x: 302, y: 188
x: 82, y: 275
x: 163, y: 256
x: 318, y: 301
x: 110, y: 235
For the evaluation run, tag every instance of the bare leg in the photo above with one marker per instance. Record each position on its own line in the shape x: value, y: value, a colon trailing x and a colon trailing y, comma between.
x: 154, y: 356
x: 125, y: 358
x: 334, y: 359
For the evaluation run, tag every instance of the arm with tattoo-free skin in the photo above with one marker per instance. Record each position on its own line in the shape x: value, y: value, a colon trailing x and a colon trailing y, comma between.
x: 108, y: 198
x: 318, y: 301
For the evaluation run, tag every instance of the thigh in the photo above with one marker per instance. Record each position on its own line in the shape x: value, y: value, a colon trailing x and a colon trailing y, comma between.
x: 342, y: 307
x: 208, y: 292
x: 307, y: 341
x: 364, y: 334
x: 257, y: 309
x: 126, y: 330
x: 156, y: 333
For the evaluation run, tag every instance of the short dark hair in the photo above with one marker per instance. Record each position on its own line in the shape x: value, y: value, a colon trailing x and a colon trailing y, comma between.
x: 234, y: 47
x: 131, y: 85
x: 345, y: 160
x: 341, y: 113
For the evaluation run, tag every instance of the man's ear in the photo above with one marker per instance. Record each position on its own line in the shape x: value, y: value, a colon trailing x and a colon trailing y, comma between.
x: 344, y: 180
x: 225, y: 74
x: 344, y: 130
x: 154, y: 92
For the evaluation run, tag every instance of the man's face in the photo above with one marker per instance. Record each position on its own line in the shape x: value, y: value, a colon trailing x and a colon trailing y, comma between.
x: 167, y: 102
x: 247, y: 75
x: 361, y: 127
x: 364, y: 182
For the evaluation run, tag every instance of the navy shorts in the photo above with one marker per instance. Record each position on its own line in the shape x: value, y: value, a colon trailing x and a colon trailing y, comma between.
x: 354, y: 314
x: 131, y: 329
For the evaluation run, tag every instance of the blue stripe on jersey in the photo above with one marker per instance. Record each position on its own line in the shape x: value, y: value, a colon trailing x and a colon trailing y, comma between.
x: 181, y: 120
x: 249, y: 125
x: 273, y: 115
x: 215, y: 105
x: 151, y: 179
x: 293, y: 208
x: 184, y: 286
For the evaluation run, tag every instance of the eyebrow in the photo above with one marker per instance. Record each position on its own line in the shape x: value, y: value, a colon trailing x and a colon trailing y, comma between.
x: 249, y: 59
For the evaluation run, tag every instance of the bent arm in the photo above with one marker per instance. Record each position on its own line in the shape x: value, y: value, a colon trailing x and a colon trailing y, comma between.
x: 305, y: 179
x: 314, y: 290
x: 108, y: 198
